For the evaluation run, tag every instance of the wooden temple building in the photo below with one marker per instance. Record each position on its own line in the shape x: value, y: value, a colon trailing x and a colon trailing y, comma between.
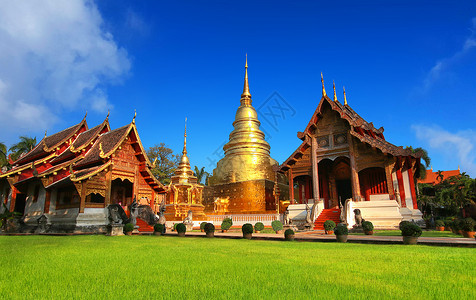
x: 69, y: 178
x: 343, y: 157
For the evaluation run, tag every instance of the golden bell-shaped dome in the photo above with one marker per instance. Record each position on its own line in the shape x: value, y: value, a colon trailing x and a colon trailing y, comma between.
x: 247, y: 154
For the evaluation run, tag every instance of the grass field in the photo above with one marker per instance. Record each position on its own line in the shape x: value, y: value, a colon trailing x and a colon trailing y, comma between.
x: 147, y: 267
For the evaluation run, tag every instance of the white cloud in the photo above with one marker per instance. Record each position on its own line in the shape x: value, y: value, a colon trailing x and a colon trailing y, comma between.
x: 459, y: 147
x: 54, y: 55
x: 444, y: 64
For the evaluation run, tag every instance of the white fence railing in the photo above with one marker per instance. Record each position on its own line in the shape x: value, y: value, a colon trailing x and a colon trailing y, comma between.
x: 239, y: 220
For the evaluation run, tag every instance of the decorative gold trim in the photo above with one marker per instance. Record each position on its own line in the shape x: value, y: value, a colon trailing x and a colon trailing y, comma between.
x: 76, y: 179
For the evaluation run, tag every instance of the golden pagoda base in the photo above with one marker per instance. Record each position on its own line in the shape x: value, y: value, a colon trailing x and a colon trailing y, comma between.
x: 178, y: 212
x: 244, y: 197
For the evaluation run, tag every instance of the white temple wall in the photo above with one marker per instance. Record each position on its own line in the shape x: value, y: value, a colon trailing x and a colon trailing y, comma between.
x: 408, y: 191
x: 34, y: 209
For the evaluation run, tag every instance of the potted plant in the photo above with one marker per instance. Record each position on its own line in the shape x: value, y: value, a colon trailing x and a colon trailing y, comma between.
x: 159, y: 229
x: 209, y: 229
x: 258, y: 227
x: 448, y: 224
x: 202, y: 226
x: 128, y: 228
x: 226, y: 224
x: 247, y: 230
x: 467, y: 225
x: 341, y: 233
x: 403, y: 223
x: 457, y: 226
x: 289, y: 235
x: 410, y: 233
x: 329, y: 226
x: 368, y: 227
x: 440, y: 225
x: 277, y: 226
x: 181, y: 228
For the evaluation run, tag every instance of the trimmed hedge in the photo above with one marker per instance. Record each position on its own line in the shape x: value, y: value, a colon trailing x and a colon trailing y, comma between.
x: 159, y: 228
x: 129, y: 227
x: 247, y: 228
x: 341, y: 229
x: 329, y: 225
x: 226, y: 223
x: 202, y: 225
x: 289, y: 232
x: 209, y: 227
x: 277, y: 225
x: 259, y: 226
x: 367, y: 226
x: 411, y: 229
x: 181, y: 227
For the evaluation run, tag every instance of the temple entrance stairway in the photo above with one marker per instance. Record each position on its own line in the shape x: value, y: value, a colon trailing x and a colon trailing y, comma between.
x: 143, y: 226
x: 327, y: 214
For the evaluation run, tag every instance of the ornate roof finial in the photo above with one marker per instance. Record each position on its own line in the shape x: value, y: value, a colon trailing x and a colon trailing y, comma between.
x: 101, y: 151
x: 45, y: 133
x: 107, y: 117
x: 71, y: 171
x: 345, y: 98
x: 246, y: 96
x: 458, y: 168
x: 135, y: 115
x: 334, y: 86
x: 85, y: 115
x: 323, y: 88
x: 185, y: 138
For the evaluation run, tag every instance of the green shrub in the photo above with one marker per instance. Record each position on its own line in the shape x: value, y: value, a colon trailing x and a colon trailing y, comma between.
x: 277, y: 225
x: 402, y: 223
x: 159, y: 228
x: 247, y: 228
x: 289, y: 232
x: 467, y: 224
x: 259, y: 226
x: 329, y: 225
x: 341, y: 229
x: 181, y: 227
x: 457, y: 224
x: 209, y: 227
x: 175, y: 226
x: 202, y: 225
x: 411, y: 229
x: 448, y: 222
x: 226, y: 223
x: 367, y: 226
x: 439, y: 223
x: 129, y: 227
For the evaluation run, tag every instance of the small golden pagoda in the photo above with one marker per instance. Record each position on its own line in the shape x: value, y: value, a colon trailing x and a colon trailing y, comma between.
x: 184, y: 193
x: 244, y: 180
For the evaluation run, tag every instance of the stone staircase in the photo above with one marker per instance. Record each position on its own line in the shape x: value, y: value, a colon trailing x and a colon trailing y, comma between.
x: 327, y: 214
x: 143, y: 226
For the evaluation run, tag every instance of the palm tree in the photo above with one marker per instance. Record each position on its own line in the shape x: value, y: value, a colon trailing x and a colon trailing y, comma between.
x: 23, y: 146
x: 425, y: 160
x: 201, y: 175
x: 3, y: 155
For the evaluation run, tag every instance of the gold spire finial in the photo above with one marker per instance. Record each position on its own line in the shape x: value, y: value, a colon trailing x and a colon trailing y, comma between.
x: 107, y: 117
x: 45, y: 133
x: 334, y: 86
x: 135, y: 115
x: 345, y: 98
x: 323, y: 88
x: 246, y: 96
x: 85, y: 115
x: 458, y: 168
x: 101, y: 151
x: 185, y: 138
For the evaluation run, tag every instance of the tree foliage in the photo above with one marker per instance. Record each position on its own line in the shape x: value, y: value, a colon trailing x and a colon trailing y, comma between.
x: 3, y: 156
x: 202, y: 175
x: 425, y: 160
x: 22, y: 147
x: 166, y: 162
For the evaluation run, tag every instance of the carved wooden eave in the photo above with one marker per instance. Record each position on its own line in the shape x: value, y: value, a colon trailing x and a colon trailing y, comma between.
x: 90, y: 172
x: 59, y: 167
x: 19, y: 169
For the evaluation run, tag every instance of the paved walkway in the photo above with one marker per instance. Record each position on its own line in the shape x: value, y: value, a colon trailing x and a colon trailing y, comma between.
x: 320, y: 236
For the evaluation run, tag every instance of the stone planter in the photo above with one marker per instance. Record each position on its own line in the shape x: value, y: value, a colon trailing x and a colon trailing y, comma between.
x: 129, y: 233
x: 330, y: 232
x: 289, y: 237
x: 201, y: 230
x: 468, y: 234
x: 371, y: 232
x: 342, y: 238
x: 410, y: 240
x: 157, y: 233
x: 247, y: 236
x: 182, y: 234
x: 223, y: 230
x: 257, y: 231
x: 440, y: 228
x: 460, y: 232
x: 210, y: 234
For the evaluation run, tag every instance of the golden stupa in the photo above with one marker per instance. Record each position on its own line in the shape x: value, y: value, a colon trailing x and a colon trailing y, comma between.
x: 244, y: 180
x: 184, y: 193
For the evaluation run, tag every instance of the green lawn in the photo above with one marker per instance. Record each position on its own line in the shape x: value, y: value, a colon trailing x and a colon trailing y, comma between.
x: 150, y: 267
x: 431, y: 233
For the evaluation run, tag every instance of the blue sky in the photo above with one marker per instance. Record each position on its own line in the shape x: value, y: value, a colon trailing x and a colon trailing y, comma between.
x: 406, y: 65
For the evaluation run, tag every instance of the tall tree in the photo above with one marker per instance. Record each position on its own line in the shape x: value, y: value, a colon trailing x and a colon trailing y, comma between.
x: 202, y: 175
x: 3, y: 156
x: 22, y: 147
x: 425, y: 160
x: 166, y: 162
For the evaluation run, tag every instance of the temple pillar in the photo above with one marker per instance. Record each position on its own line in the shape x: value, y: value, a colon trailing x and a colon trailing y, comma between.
x: 412, y: 188
x: 83, y: 197
x: 354, y: 175
x: 291, y: 185
x: 388, y: 175
x: 401, y: 188
x: 315, y: 170
x: 46, y: 208
x: 107, y: 199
